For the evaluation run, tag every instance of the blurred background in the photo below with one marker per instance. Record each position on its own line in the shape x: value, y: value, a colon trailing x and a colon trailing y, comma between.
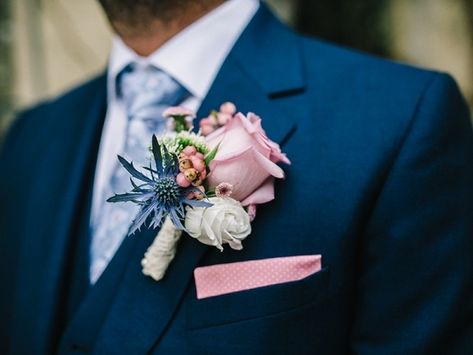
x: 48, y: 46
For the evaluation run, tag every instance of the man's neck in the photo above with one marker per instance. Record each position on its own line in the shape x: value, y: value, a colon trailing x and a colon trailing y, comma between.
x: 160, y: 31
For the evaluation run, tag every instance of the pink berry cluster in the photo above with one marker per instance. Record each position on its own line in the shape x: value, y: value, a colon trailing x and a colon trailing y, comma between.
x: 217, y: 119
x: 192, y: 168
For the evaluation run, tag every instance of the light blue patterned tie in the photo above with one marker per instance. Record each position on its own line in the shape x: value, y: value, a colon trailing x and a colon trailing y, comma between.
x: 146, y: 92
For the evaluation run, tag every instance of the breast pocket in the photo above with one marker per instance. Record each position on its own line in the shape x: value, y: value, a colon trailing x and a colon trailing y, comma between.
x: 257, y: 303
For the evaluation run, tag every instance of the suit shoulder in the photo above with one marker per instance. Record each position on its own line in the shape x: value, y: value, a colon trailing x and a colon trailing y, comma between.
x: 370, y: 99
x: 72, y: 97
x: 50, y: 112
x: 361, y: 68
x: 51, y: 117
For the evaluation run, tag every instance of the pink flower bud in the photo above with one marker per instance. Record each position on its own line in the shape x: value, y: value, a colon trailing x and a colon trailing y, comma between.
x: 228, y: 107
x: 182, y: 181
x: 185, y: 164
x: 213, y: 119
x: 206, y: 129
x: 223, y: 118
x: 197, y: 163
x: 197, y: 182
x: 189, y: 150
x: 205, y: 121
x: 191, y: 174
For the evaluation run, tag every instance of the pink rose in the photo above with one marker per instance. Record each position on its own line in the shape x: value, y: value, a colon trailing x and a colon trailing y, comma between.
x: 246, y: 159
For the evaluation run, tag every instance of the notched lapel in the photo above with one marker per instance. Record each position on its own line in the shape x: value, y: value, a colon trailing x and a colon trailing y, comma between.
x: 235, y: 85
x: 264, y: 66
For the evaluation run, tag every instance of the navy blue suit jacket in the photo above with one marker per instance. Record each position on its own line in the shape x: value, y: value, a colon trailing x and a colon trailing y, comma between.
x: 381, y: 184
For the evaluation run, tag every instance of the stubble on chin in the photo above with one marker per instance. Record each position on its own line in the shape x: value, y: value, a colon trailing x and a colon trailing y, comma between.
x: 137, y: 17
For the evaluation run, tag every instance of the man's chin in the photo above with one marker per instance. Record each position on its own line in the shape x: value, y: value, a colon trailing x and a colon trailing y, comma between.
x: 139, y: 14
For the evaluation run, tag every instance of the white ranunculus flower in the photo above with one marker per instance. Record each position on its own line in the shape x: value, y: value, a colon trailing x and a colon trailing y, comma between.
x: 226, y: 222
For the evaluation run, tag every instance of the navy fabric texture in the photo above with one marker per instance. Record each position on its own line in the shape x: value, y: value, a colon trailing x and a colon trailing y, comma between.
x: 381, y: 184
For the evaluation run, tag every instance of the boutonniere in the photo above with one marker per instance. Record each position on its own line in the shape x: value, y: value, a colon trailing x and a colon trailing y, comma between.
x: 207, y: 184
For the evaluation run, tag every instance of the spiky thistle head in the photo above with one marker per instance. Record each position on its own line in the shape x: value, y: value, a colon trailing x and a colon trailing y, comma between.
x: 168, y: 192
x: 158, y: 193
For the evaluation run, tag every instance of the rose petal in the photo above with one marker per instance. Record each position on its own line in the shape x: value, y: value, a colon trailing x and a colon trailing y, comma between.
x: 263, y: 194
x: 193, y: 221
x: 241, y: 170
x: 269, y: 166
x: 215, y: 137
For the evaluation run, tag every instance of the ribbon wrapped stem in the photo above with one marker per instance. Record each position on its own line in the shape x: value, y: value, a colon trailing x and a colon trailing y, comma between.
x: 161, y: 252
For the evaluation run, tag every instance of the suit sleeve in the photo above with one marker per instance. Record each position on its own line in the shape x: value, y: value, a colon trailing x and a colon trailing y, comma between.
x: 415, y: 291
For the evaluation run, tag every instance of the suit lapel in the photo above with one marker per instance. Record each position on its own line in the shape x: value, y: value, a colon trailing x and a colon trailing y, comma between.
x: 264, y: 65
x: 141, y: 308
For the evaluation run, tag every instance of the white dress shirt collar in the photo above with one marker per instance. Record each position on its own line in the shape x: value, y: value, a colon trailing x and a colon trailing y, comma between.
x: 194, y: 56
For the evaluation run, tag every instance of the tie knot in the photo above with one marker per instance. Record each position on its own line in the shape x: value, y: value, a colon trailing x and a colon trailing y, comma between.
x: 147, y: 90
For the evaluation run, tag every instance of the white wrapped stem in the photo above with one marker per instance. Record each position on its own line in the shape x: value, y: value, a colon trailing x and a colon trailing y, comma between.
x: 160, y: 254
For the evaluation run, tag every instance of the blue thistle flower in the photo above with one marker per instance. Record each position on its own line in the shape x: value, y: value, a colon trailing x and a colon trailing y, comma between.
x: 158, y: 195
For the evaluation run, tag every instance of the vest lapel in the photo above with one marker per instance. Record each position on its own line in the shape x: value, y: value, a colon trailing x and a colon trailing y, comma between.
x: 127, y: 304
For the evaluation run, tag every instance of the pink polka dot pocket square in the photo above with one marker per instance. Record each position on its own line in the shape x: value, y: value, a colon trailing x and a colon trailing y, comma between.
x: 217, y: 280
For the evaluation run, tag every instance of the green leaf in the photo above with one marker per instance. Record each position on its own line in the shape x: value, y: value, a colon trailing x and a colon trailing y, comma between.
x: 180, y: 123
x: 211, y: 156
